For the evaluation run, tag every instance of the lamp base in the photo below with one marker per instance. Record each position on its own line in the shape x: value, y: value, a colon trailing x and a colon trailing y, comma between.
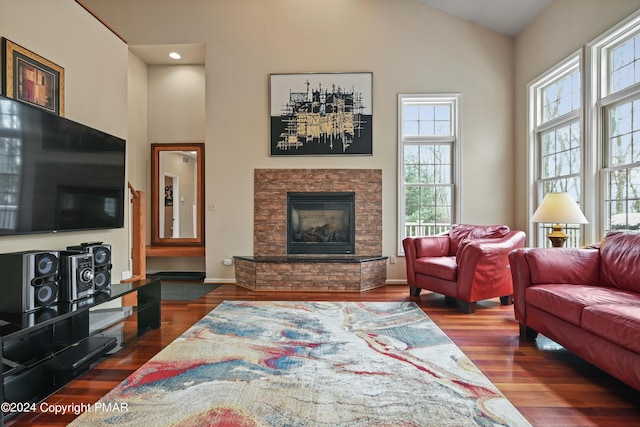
x: 557, y: 237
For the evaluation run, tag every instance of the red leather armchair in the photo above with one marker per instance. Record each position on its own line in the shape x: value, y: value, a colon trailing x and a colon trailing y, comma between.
x: 470, y: 263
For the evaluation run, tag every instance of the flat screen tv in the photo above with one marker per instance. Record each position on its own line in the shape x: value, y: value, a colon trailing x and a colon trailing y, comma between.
x: 57, y: 174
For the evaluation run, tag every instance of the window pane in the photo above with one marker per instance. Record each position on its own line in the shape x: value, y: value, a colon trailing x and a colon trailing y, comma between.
x: 623, y: 204
x: 426, y: 112
x: 427, y: 120
x: 411, y: 112
x: 410, y: 127
x: 427, y: 155
x: 561, y: 96
x: 560, y: 151
x: 443, y: 154
x: 426, y: 174
x: 624, y: 128
x: 412, y: 204
x: 622, y: 65
x: 411, y: 174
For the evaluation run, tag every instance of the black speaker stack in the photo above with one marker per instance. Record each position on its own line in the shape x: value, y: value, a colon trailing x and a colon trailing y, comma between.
x: 35, y: 279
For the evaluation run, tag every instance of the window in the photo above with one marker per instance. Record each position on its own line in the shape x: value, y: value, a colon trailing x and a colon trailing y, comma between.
x: 601, y: 168
x: 618, y: 107
x: 10, y: 170
x: 556, y: 140
x: 428, y: 129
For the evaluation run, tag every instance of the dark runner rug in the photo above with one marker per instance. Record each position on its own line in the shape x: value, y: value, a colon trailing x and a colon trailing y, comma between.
x: 178, y: 275
x: 181, y: 291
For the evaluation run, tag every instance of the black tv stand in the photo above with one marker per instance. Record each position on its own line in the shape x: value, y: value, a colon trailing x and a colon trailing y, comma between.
x: 44, y: 350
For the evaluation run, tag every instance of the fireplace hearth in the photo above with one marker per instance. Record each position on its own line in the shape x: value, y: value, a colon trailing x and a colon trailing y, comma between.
x: 320, y: 223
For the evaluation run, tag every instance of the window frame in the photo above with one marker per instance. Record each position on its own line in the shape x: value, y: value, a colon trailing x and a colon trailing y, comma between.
x: 538, y: 127
x: 600, y: 100
x: 454, y: 141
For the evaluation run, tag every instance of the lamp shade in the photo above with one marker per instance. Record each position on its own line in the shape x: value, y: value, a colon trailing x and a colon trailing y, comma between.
x: 559, y: 208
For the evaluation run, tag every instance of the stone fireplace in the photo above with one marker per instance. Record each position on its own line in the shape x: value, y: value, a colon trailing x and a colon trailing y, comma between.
x: 277, y: 265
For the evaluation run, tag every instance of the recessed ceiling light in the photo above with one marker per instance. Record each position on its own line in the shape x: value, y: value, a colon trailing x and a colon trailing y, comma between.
x: 175, y: 55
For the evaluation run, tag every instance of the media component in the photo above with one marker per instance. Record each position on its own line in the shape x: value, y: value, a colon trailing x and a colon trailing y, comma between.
x: 101, y: 253
x: 77, y: 276
x: 31, y: 280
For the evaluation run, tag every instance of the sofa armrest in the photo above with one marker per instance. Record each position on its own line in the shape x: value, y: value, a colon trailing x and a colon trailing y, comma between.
x: 521, y: 280
x: 409, y: 257
x: 416, y: 247
x: 484, y: 264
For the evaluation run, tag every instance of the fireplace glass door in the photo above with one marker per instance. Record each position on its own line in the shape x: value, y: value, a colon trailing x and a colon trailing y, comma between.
x: 320, y: 223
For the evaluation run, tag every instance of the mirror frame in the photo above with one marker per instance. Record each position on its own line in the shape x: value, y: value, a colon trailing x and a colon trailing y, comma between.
x: 156, y: 149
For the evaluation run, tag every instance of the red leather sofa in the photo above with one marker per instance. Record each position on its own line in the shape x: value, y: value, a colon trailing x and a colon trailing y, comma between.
x: 587, y: 300
x: 469, y: 263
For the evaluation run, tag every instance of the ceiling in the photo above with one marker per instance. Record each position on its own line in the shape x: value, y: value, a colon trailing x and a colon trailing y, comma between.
x: 507, y: 17
x: 192, y: 53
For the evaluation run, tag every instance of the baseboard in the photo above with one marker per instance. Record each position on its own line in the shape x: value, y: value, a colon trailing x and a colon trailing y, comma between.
x: 232, y: 281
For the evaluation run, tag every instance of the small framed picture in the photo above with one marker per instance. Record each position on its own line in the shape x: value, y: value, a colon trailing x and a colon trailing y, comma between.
x: 31, y: 78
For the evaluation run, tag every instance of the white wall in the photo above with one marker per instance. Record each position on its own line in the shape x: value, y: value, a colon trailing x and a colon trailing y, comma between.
x: 176, y: 103
x: 138, y: 147
x: 408, y: 46
x: 95, y: 64
x: 563, y: 28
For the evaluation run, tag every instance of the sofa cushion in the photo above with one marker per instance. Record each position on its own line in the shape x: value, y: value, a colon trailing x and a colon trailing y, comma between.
x: 564, y: 265
x: 617, y: 323
x: 462, y: 232
x: 620, y: 261
x: 568, y: 301
x: 444, y: 267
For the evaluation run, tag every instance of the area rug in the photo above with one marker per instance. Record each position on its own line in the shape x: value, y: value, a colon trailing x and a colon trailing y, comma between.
x: 184, y: 291
x: 323, y: 364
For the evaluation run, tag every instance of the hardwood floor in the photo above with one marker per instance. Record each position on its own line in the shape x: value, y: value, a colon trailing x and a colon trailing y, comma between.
x: 548, y: 385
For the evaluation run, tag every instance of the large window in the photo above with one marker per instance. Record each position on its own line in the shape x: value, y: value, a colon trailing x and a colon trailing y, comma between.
x: 618, y: 108
x: 556, y: 139
x: 589, y: 145
x: 428, y: 129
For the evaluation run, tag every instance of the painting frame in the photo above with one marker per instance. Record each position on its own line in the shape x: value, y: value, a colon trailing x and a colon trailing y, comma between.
x: 30, y: 78
x: 321, y: 114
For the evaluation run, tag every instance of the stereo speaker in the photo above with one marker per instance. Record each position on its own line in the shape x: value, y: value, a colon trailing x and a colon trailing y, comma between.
x: 30, y: 280
x: 77, y: 275
x: 101, y: 253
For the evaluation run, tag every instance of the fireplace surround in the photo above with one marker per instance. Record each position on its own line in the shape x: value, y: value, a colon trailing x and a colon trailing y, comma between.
x: 271, y: 267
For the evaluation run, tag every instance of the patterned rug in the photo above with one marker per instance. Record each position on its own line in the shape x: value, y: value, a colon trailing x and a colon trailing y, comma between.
x: 323, y: 364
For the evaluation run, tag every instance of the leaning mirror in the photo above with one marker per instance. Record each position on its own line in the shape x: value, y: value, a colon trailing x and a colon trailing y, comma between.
x: 176, y: 194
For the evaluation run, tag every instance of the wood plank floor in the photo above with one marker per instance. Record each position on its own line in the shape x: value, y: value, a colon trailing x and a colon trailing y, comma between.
x: 550, y: 386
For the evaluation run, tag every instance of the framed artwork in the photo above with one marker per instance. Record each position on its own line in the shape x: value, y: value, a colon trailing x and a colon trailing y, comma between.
x: 31, y: 78
x: 321, y: 114
x: 168, y: 195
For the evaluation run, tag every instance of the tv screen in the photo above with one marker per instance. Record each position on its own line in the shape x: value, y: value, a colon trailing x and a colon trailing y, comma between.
x: 56, y: 174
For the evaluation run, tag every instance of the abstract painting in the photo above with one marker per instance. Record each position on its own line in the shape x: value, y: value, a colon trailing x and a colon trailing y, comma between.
x: 321, y: 114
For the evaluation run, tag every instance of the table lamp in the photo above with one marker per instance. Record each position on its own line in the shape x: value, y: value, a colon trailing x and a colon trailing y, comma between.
x: 558, y: 208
